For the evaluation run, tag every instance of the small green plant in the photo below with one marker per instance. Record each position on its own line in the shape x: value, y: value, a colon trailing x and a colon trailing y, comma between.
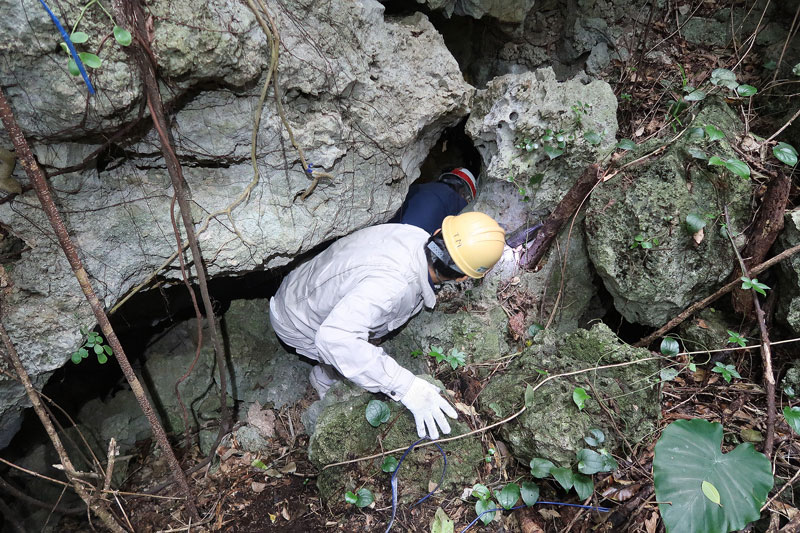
x: 484, y: 503
x: 728, y: 371
x: 647, y: 243
x: 361, y: 498
x: 121, y: 35
x: 736, y: 338
x: 723, y: 77
x: 456, y: 358
x: 522, y: 187
x: 377, y: 413
x: 785, y: 153
x: 578, y: 110
x: 507, y: 496
x: 736, y: 166
x: 579, y: 396
x: 489, y: 455
x: 389, y: 464
x: 95, y: 342
x: 792, y: 416
x: 754, y: 284
x: 625, y: 96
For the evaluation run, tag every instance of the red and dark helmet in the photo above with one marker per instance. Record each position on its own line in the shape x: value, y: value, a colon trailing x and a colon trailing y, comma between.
x: 464, y: 175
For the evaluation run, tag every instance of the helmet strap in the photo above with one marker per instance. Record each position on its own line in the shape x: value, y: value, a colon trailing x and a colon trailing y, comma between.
x: 443, y: 256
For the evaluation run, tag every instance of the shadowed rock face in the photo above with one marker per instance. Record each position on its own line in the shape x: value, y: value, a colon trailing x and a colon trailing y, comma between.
x: 365, y: 97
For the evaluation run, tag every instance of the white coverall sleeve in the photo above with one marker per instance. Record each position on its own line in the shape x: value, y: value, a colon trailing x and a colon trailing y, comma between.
x: 343, y: 338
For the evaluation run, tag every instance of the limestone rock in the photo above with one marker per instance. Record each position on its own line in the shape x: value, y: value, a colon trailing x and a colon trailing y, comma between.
x: 652, y: 284
x: 342, y: 432
x: 366, y: 97
x: 552, y: 427
x: 789, y: 272
x: 503, y: 10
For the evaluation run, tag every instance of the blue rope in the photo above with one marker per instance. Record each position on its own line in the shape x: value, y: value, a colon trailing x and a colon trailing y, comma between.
x: 70, y: 46
x: 393, y: 481
x: 601, y: 509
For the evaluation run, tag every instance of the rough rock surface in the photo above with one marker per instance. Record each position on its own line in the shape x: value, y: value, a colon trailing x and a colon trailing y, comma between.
x: 789, y: 271
x: 552, y: 427
x: 342, y: 433
x: 366, y: 98
x: 504, y: 10
x: 510, y: 123
x: 650, y: 286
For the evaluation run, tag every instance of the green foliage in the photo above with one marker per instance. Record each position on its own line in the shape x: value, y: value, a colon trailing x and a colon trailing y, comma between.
x: 93, y: 61
x: 687, y: 455
x: 489, y: 455
x: 593, y: 138
x: 728, y: 371
x: 626, y: 144
x: 792, y: 416
x: 508, y: 496
x: 736, y: 166
x: 754, y: 284
x: 583, y: 485
x: 592, y: 462
x: 646, y: 243
x: 541, y: 467
x: 595, y: 438
x: 714, y: 133
x: 694, y: 223
x: 361, y: 498
x: 668, y: 374
x: 258, y: 463
x: 579, y: 396
x: 456, y: 358
x: 529, y: 492
x: 669, y: 346
x: 625, y: 96
x: 94, y: 342
x: 736, y: 338
x: 796, y: 70
x: 785, y: 153
x: 695, y: 96
x: 746, y: 90
x: 441, y: 522
x: 564, y: 476
x: 534, y: 329
x: 389, y: 464
x: 484, y: 502
x: 724, y: 77
x: 377, y: 413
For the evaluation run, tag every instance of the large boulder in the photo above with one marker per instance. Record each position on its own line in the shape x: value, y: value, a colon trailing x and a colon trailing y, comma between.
x: 552, y: 427
x: 342, y: 433
x: 516, y: 124
x: 648, y: 205
x: 366, y: 98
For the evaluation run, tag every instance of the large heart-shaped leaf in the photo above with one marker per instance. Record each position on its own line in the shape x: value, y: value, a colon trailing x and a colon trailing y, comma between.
x: 689, y: 454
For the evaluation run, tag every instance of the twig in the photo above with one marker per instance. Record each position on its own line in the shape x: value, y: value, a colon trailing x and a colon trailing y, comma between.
x: 766, y: 351
x: 788, y: 123
x: 785, y: 486
x: 113, y: 450
x: 496, y: 424
x: 689, y: 311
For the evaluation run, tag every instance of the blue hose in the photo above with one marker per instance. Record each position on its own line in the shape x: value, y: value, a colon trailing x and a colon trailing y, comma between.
x: 70, y: 46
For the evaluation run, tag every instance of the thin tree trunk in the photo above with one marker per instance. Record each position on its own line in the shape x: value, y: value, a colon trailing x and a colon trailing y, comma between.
x: 28, y: 162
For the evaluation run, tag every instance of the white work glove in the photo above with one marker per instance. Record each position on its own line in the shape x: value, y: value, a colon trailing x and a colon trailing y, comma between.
x: 428, y: 408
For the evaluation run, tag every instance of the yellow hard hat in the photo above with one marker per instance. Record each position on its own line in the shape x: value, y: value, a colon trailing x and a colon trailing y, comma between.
x: 474, y: 241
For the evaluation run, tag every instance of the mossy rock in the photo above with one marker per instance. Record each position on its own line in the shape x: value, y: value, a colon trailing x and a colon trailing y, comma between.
x: 652, y: 284
x: 342, y: 433
x: 552, y: 427
x: 708, y: 330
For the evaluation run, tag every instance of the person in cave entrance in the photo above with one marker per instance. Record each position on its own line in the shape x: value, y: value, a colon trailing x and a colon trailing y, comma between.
x: 370, y: 283
x: 427, y: 204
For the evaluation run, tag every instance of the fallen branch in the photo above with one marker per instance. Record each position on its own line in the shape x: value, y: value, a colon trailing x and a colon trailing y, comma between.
x: 565, y: 209
x: 689, y: 311
x: 496, y: 424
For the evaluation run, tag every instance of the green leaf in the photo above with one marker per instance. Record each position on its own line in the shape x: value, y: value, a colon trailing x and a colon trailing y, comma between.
x: 668, y: 374
x: 122, y: 36
x: 441, y: 522
x: 364, y: 497
x: 722, y: 74
x: 689, y: 453
x: 529, y: 393
x: 552, y: 152
x: 711, y: 492
x: 694, y: 223
x: 258, y: 463
x: 377, y: 413
x: 746, y: 90
x: 84, y: 353
x: 529, y: 492
x: 389, y: 464
x: 593, y: 138
x: 76, y: 357
x: 485, y: 505
x: 90, y: 60
x: 564, y: 476
x: 696, y: 152
x: 670, y: 346
x: 350, y: 497
x: 102, y: 358
x: 541, y: 467
x: 596, y: 437
x: 796, y: 70
x: 626, y: 144
x: 457, y: 358
x: 108, y: 350
x: 715, y: 161
x: 590, y: 462
x: 481, y: 492
x: 72, y: 67
x: 584, y: 486
x: 509, y: 496
x: 738, y: 167
x: 98, y: 349
x: 714, y: 133
x: 785, y: 153
x: 579, y: 396
x: 79, y: 37
x: 736, y: 338
x: 695, y: 96
x: 65, y: 48
x: 792, y: 416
